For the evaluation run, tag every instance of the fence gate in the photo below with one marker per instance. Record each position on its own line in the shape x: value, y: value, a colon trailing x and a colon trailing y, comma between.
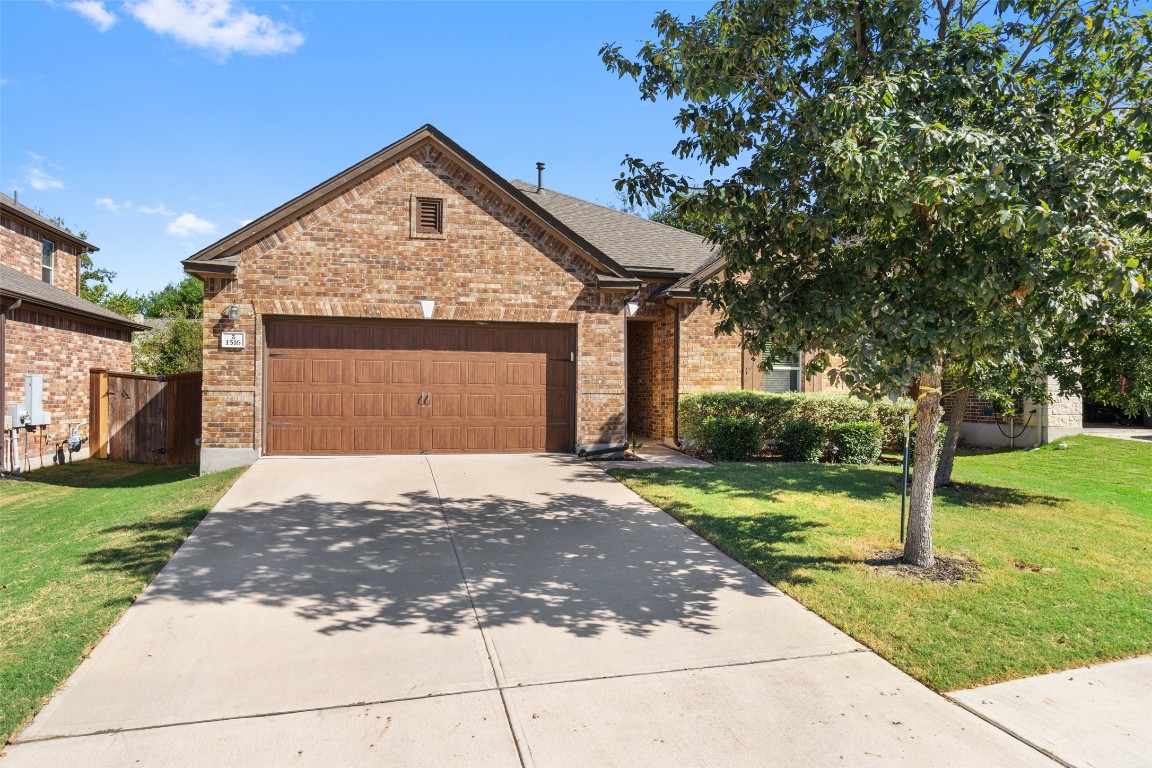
x: 145, y: 419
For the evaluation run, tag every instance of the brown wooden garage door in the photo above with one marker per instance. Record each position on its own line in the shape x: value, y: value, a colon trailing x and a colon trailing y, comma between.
x: 363, y: 387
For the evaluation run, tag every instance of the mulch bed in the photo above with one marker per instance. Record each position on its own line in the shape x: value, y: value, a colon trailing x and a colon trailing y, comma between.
x: 949, y: 570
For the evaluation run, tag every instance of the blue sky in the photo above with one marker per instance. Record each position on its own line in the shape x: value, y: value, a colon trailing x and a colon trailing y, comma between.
x: 158, y: 126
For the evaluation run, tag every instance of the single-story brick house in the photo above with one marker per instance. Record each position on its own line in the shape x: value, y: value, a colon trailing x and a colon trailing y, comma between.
x: 418, y: 301
x: 46, y: 329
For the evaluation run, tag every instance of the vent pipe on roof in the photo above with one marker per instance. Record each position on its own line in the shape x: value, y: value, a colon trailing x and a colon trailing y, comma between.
x: 539, y: 178
x: 15, y: 195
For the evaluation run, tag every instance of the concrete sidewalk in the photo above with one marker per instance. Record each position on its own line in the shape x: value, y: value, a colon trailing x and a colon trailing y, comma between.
x: 1093, y: 717
x: 479, y: 611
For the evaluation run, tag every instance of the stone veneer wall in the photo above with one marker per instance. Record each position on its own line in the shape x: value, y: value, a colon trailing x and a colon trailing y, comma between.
x: 20, y: 248
x: 356, y: 256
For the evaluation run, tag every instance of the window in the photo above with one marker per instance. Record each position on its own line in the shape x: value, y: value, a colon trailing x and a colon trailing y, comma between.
x: 428, y: 216
x: 785, y: 373
x: 47, y: 260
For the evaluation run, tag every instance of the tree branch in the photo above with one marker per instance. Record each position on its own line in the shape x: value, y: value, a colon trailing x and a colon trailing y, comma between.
x: 1041, y: 29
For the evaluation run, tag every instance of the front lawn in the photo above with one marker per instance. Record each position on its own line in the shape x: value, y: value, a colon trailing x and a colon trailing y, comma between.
x: 78, y: 542
x: 1063, y: 541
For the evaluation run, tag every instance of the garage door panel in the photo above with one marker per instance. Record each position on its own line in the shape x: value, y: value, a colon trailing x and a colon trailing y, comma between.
x: 518, y: 438
x: 326, y: 405
x: 370, y: 439
x: 404, y: 440
x: 480, y: 439
x: 481, y: 373
x: 287, y: 439
x: 518, y: 406
x: 368, y: 406
x: 447, y: 406
x: 404, y: 372
x: 328, y: 439
x: 370, y: 372
x: 285, y: 370
x: 327, y: 372
x: 357, y: 387
x: 447, y: 372
x: 520, y: 373
x: 285, y: 404
x: 404, y: 404
x: 480, y: 406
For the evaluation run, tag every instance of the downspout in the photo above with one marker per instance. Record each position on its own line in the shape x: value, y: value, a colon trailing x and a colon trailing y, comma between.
x: 675, y: 372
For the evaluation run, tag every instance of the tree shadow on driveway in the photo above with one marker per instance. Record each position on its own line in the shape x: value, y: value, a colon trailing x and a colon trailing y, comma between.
x: 565, y: 560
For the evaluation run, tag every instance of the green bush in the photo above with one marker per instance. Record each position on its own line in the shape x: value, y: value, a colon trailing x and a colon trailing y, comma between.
x: 856, y: 442
x: 771, y: 409
x: 827, y: 408
x: 800, y: 440
x: 730, y: 438
x: 891, y: 418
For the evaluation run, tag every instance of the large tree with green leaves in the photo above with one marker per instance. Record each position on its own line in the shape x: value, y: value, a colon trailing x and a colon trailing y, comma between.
x: 914, y: 184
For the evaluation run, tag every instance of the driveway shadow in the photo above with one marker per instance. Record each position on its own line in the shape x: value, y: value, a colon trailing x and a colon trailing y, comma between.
x: 566, y: 560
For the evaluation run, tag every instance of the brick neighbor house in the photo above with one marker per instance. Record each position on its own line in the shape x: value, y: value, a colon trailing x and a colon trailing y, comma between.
x: 46, y: 329
x: 417, y: 301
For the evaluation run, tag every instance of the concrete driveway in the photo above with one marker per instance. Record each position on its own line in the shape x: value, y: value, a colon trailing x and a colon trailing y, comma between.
x: 479, y: 611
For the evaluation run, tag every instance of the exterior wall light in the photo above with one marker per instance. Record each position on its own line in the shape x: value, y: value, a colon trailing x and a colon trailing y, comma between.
x: 427, y: 308
x: 233, y: 312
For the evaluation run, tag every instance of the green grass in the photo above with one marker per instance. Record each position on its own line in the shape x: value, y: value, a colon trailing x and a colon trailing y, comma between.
x: 1063, y: 540
x: 78, y: 542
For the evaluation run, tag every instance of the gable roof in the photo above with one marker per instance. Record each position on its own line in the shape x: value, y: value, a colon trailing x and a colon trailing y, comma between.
x: 223, y: 255
x: 10, y: 206
x: 14, y: 284
x: 685, y: 287
x: 639, y: 244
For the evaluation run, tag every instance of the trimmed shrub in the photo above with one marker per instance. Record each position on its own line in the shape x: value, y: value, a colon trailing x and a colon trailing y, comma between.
x: 857, y: 442
x: 730, y: 438
x: 800, y: 440
x: 827, y: 408
x: 891, y: 417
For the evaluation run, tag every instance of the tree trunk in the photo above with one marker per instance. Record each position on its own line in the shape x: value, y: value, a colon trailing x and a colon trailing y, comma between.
x: 952, y: 439
x: 918, y: 543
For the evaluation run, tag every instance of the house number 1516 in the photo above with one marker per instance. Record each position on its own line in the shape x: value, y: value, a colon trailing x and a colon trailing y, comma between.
x: 232, y: 340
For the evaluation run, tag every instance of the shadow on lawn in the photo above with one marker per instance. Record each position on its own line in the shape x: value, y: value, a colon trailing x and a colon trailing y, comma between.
x: 146, y: 545
x: 100, y: 473
x: 759, y: 542
x: 766, y: 481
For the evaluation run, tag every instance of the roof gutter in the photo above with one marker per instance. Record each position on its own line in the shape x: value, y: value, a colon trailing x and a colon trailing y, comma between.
x: 65, y: 309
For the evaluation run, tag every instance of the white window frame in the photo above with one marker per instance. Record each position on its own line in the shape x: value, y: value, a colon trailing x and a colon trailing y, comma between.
x: 47, y: 261
x: 794, y: 367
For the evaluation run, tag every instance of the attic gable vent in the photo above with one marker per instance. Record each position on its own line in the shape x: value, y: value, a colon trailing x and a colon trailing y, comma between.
x: 429, y: 216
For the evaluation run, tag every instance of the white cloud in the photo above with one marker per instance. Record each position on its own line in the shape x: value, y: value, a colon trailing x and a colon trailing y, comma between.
x: 113, y: 206
x: 155, y: 210
x: 217, y: 25
x: 95, y: 12
x: 244, y: 222
x: 187, y: 224
x: 38, y: 178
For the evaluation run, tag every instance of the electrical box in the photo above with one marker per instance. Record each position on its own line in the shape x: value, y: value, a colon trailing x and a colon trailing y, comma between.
x: 34, y: 400
x: 16, y: 417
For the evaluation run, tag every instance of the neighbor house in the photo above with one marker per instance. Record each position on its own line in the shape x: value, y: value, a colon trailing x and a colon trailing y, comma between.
x: 46, y: 329
x: 418, y: 301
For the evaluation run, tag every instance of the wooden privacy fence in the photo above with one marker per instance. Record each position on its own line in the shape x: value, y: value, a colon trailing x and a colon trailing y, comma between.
x: 145, y: 419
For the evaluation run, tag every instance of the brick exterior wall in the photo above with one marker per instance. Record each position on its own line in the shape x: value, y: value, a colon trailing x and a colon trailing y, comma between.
x: 21, y: 249
x: 355, y: 256
x: 62, y: 350
x: 708, y: 363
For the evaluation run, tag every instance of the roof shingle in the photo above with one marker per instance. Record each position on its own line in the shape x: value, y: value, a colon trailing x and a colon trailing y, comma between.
x: 637, y: 243
x: 16, y: 284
